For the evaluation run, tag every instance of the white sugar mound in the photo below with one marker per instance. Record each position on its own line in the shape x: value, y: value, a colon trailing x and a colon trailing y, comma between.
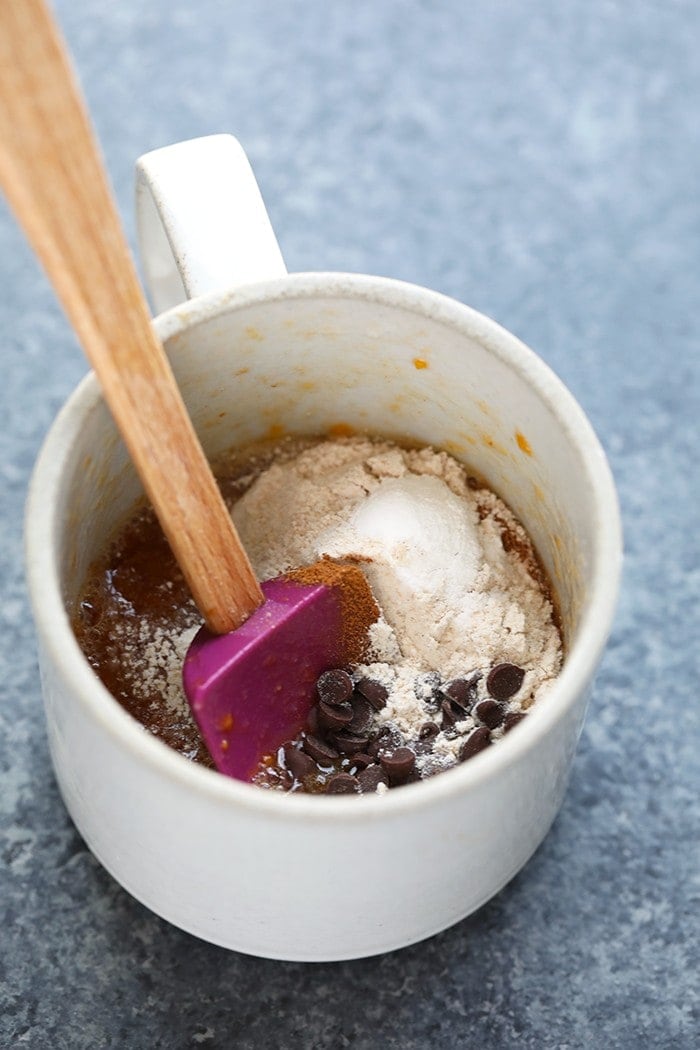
x: 420, y: 547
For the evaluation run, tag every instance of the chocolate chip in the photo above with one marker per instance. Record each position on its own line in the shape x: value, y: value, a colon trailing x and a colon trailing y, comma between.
x: 361, y: 760
x: 335, y: 686
x: 342, y: 784
x: 373, y: 691
x: 333, y: 717
x: 361, y: 714
x: 398, y: 765
x: 428, y: 731
x: 504, y: 680
x: 426, y: 686
x: 451, y: 712
x: 456, y: 690
x: 512, y: 719
x: 350, y: 743
x: 490, y: 712
x: 386, y: 738
x: 423, y: 745
x: 370, y: 779
x: 321, y: 752
x: 299, y: 764
x: 475, y: 743
x: 374, y: 747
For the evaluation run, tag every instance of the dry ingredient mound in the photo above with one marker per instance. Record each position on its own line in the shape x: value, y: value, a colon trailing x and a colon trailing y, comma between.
x: 465, y: 641
x: 454, y: 573
x: 298, y: 511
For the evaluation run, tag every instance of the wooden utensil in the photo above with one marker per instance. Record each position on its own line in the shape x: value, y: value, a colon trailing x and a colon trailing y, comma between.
x: 53, y: 177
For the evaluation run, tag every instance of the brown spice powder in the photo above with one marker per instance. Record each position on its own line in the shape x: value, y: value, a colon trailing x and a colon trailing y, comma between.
x: 357, y: 605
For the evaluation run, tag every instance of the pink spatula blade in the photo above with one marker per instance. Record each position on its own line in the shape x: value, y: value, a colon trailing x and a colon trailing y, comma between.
x: 252, y: 690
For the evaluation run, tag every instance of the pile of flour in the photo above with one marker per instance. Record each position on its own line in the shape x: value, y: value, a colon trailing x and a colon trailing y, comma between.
x: 451, y: 569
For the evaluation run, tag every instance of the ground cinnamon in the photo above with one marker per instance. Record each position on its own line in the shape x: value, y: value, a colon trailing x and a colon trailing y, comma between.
x: 358, y: 607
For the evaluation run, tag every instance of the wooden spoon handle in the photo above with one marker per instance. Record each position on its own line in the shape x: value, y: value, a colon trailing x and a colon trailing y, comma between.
x: 53, y: 176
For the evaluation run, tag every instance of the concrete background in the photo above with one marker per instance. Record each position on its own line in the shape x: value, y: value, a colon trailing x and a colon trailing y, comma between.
x: 540, y: 162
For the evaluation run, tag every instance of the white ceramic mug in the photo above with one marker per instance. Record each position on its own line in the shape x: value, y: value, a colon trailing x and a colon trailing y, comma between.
x: 259, y: 352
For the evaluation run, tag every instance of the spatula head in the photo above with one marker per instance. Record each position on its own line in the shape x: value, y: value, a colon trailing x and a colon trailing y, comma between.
x: 252, y: 690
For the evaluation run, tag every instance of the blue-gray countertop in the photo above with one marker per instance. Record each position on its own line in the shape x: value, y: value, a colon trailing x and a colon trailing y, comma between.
x: 539, y: 161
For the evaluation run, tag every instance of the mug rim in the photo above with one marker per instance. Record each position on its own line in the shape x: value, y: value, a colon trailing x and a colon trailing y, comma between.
x: 57, y: 638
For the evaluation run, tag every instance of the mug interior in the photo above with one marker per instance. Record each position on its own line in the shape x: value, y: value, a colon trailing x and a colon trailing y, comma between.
x: 316, y: 354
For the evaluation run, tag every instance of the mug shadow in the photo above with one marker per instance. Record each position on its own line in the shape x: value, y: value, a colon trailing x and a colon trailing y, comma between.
x: 136, y: 980
x: 183, y: 991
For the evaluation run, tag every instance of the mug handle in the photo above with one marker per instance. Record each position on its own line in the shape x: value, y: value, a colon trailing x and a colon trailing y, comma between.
x: 201, y: 221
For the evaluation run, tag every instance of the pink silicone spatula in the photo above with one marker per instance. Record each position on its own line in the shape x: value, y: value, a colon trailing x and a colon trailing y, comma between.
x: 250, y: 686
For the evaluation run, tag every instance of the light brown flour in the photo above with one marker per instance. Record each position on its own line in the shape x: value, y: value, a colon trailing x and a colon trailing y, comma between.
x: 449, y: 610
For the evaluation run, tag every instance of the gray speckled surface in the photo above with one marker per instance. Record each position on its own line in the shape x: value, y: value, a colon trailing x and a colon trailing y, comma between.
x: 539, y: 161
